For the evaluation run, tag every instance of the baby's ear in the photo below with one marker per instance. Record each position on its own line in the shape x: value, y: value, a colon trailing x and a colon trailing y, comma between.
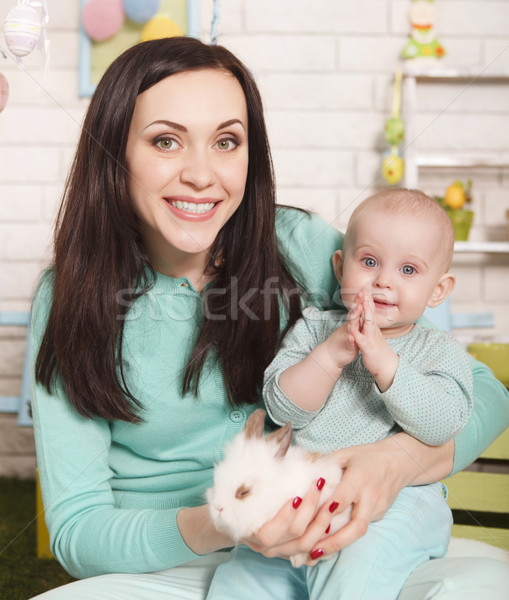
x: 338, y: 259
x: 442, y: 290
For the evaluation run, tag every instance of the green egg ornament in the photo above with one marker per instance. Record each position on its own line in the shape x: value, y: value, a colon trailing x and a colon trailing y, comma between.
x: 393, y: 168
x: 394, y: 131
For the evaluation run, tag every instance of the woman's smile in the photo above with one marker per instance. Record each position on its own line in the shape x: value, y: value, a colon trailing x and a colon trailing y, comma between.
x: 193, y: 209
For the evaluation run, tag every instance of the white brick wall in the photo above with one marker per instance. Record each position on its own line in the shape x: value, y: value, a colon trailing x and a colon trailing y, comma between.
x: 325, y: 70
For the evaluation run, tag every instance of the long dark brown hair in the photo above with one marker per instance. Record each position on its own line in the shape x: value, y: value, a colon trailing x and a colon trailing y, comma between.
x: 98, y: 250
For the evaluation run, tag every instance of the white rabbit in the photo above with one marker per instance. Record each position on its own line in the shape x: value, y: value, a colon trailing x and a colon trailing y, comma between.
x: 260, y: 473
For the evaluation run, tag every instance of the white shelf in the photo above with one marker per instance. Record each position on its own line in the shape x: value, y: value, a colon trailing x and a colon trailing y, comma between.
x: 482, y: 247
x: 463, y: 161
x: 423, y: 73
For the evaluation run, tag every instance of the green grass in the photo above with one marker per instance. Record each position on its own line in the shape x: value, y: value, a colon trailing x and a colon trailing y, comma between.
x: 22, y: 574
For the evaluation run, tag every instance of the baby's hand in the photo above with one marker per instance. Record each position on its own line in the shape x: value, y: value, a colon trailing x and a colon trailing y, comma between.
x: 341, y: 344
x: 377, y: 356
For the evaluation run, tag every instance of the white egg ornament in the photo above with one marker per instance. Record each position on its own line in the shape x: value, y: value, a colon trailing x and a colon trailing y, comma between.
x: 22, y: 30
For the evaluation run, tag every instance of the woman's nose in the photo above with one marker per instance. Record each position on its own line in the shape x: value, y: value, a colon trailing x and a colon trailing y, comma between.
x: 198, y: 170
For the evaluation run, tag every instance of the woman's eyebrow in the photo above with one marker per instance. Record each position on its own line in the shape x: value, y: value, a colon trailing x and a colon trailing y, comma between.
x: 229, y: 123
x: 180, y: 127
x: 167, y: 123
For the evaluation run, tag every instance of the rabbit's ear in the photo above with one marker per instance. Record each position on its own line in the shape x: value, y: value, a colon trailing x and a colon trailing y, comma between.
x: 255, y: 424
x: 283, y: 438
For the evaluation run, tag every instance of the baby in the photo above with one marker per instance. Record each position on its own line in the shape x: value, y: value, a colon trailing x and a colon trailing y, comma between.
x: 348, y: 378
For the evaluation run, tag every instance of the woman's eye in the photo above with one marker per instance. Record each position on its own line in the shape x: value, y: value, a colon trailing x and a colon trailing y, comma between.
x: 369, y: 262
x: 227, y: 144
x: 166, y: 143
x: 408, y: 270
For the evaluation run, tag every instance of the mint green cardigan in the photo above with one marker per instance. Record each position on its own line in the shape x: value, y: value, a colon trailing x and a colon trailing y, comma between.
x: 111, y: 489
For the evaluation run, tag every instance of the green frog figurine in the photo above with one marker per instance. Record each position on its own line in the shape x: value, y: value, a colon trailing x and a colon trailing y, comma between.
x: 423, y: 42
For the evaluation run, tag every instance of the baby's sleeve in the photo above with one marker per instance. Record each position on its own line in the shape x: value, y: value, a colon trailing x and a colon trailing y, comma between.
x: 305, y: 335
x: 432, y: 399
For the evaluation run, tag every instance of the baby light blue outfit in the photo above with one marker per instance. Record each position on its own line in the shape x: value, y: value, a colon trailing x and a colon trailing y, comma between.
x: 431, y: 398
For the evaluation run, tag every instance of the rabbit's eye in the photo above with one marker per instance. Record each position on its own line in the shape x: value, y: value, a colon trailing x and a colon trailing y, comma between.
x: 242, y: 492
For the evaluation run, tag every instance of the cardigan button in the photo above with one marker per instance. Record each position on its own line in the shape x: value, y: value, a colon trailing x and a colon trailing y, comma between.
x: 236, y: 416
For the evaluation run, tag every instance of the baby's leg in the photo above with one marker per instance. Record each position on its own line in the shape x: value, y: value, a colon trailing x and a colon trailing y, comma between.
x: 251, y: 576
x: 416, y: 527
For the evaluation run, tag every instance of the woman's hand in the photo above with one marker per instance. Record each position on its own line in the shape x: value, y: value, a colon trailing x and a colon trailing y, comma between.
x: 292, y: 530
x: 373, y: 476
x: 198, y: 531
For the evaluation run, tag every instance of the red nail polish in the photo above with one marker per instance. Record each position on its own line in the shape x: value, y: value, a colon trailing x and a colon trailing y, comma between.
x: 318, y: 553
x: 296, y: 502
x: 333, y: 506
x: 327, y: 530
x: 320, y: 483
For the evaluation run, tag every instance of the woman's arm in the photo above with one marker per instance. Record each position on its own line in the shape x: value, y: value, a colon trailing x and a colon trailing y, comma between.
x: 489, y: 419
x: 89, y: 533
x: 197, y: 530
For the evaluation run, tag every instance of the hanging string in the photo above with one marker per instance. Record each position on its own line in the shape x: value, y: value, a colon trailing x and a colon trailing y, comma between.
x: 215, y: 22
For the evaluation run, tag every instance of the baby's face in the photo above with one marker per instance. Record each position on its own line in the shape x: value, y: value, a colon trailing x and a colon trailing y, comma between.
x: 397, y: 260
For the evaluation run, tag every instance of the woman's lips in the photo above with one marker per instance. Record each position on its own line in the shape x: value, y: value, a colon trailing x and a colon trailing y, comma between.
x: 191, y: 209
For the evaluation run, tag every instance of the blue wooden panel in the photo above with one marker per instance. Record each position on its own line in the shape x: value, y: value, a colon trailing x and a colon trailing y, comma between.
x: 440, y: 316
x: 472, y: 320
x: 14, y: 319
x: 19, y: 404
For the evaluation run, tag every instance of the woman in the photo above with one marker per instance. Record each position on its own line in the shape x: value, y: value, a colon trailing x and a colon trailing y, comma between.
x: 173, y: 279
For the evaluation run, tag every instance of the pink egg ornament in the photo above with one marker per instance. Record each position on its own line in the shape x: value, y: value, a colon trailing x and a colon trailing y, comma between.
x: 22, y: 30
x: 102, y: 19
x: 4, y: 91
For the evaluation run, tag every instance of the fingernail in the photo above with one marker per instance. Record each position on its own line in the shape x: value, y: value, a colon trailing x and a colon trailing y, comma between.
x: 318, y: 553
x: 296, y: 502
x: 327, y: 530
x: 333, y: 506
x: 320, y: 483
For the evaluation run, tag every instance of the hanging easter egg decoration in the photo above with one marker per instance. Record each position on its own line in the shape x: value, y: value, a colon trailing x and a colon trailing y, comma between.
x: 4, y: 91
x: 394, y: 131
x: 423, y: 43
x: 141, y: 11
x: 393, y: 166
x: 25, y: 30
x: 22, y: 29
x: 160, y: 27
x: 102, y: 19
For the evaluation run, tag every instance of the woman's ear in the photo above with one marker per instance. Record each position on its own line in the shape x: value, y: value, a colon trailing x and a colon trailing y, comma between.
x: 338, y: 259
x: 442, y: 290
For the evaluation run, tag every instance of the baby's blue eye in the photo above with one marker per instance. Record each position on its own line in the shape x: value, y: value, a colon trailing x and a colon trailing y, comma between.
x: 408, y: 270
x: 369, y: 262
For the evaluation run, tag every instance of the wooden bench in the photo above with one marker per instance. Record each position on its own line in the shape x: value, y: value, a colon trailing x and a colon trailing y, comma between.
x: 479, y: 497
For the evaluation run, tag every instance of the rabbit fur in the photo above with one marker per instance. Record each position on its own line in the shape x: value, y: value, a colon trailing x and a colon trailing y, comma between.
x: 260, y: 473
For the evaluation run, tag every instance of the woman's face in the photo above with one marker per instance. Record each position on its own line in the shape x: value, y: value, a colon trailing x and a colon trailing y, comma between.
x: 187, y: 154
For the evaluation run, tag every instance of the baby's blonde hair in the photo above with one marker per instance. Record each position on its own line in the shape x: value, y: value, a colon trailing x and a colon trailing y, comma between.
x: 415, y: 204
